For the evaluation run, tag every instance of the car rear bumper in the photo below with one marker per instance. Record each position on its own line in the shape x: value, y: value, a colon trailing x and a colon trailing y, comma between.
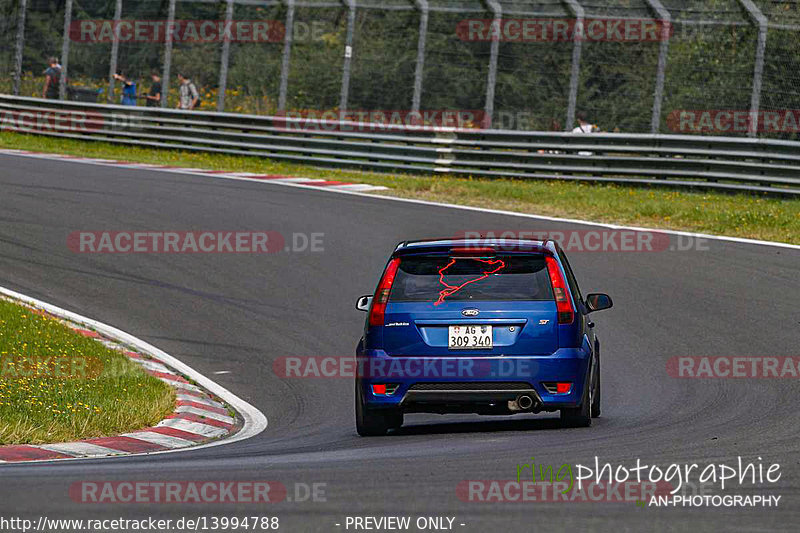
x: 456, y: 383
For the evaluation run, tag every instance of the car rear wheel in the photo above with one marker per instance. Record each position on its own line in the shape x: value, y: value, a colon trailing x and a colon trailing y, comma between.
x: 596, y: 395
x: 581, y: 416
x: 373, y: 422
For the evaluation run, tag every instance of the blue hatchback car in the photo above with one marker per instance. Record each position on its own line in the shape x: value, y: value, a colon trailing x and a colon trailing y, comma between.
x: 477, y: 326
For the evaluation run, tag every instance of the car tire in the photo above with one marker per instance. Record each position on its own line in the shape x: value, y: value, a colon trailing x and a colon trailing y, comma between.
x: 596, y: 396
x: 372, y: 422
x: 581, y: 416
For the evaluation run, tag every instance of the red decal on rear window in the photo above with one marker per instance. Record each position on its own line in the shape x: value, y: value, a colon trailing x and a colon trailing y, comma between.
x: 449, y: 290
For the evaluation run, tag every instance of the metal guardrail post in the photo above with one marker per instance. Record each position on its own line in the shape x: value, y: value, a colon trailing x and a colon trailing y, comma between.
x: 491, y: 79
x: 758, y: 69
x: 348, y: 53
x: 20, y: 45
x: 663, y: 49
x: 62, y: 85
x: 224, y: 57
x: 287, y: 55
x: 112, y: 63
x: 422, y: 6
x: 577, y: 44
x: 169, y: 34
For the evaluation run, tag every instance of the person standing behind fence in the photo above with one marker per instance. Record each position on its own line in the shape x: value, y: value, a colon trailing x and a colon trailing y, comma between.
x: 189, y: 97
x: 583, y: 124
x: 52, y: 79
x: 128, y: 89
x: 584, y: 127
x: 154, y: 96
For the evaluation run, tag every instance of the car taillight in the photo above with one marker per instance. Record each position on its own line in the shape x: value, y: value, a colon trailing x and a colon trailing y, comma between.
x: 566, y: 312
x: 382, y: 293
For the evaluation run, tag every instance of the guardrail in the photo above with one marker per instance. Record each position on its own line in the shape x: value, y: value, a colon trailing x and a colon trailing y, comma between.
x: 704, y: 162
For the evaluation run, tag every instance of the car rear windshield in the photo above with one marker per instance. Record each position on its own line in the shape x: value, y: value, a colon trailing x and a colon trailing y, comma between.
x: 442, y: 278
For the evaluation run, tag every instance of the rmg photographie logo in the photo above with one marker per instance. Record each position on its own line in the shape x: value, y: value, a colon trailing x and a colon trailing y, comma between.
x: 646, y: 485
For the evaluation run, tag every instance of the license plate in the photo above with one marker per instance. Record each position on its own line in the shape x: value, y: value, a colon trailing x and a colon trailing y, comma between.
x: 469, y: 337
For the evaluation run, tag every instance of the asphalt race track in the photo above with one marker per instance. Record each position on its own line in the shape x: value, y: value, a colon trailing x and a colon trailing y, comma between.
x: 238, y: 312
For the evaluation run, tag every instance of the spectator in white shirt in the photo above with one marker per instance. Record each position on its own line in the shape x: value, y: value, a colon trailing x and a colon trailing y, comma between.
x: 583, y: 124
x: 584, y: 127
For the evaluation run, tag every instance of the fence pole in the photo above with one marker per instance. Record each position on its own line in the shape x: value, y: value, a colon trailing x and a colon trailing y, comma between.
x: 169, y: 33
x: 112, y: 63
x: 422, y: 6
x: 348, y: 54
x: 758, y: 69
x: 577, y: 44
x: 665, y: 19
x: 491, y: 78
x: 287, y: 55
x: 225, y: 56
x: 62, y: 85
x: 20, y: 45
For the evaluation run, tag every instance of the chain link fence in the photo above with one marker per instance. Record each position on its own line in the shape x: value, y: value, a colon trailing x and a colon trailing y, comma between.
x: 722, y: 67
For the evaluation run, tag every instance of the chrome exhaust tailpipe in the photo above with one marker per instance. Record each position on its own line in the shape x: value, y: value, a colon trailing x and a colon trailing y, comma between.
x: 524, y: 402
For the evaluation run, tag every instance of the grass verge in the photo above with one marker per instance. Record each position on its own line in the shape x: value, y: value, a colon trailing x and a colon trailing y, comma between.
x: 738, y: 215
x: 59, y: 386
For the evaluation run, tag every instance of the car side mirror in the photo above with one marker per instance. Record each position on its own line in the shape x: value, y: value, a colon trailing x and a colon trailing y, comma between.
x: 598, y: 302
x: 363, y: 303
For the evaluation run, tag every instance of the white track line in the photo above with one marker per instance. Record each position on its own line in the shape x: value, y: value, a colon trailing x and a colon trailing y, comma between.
x: 361, y: 187
x: 254, y: 420
x: 575, y: 221
x: 337, y: 190
x: 182, y: 170
x: 146, y: 166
